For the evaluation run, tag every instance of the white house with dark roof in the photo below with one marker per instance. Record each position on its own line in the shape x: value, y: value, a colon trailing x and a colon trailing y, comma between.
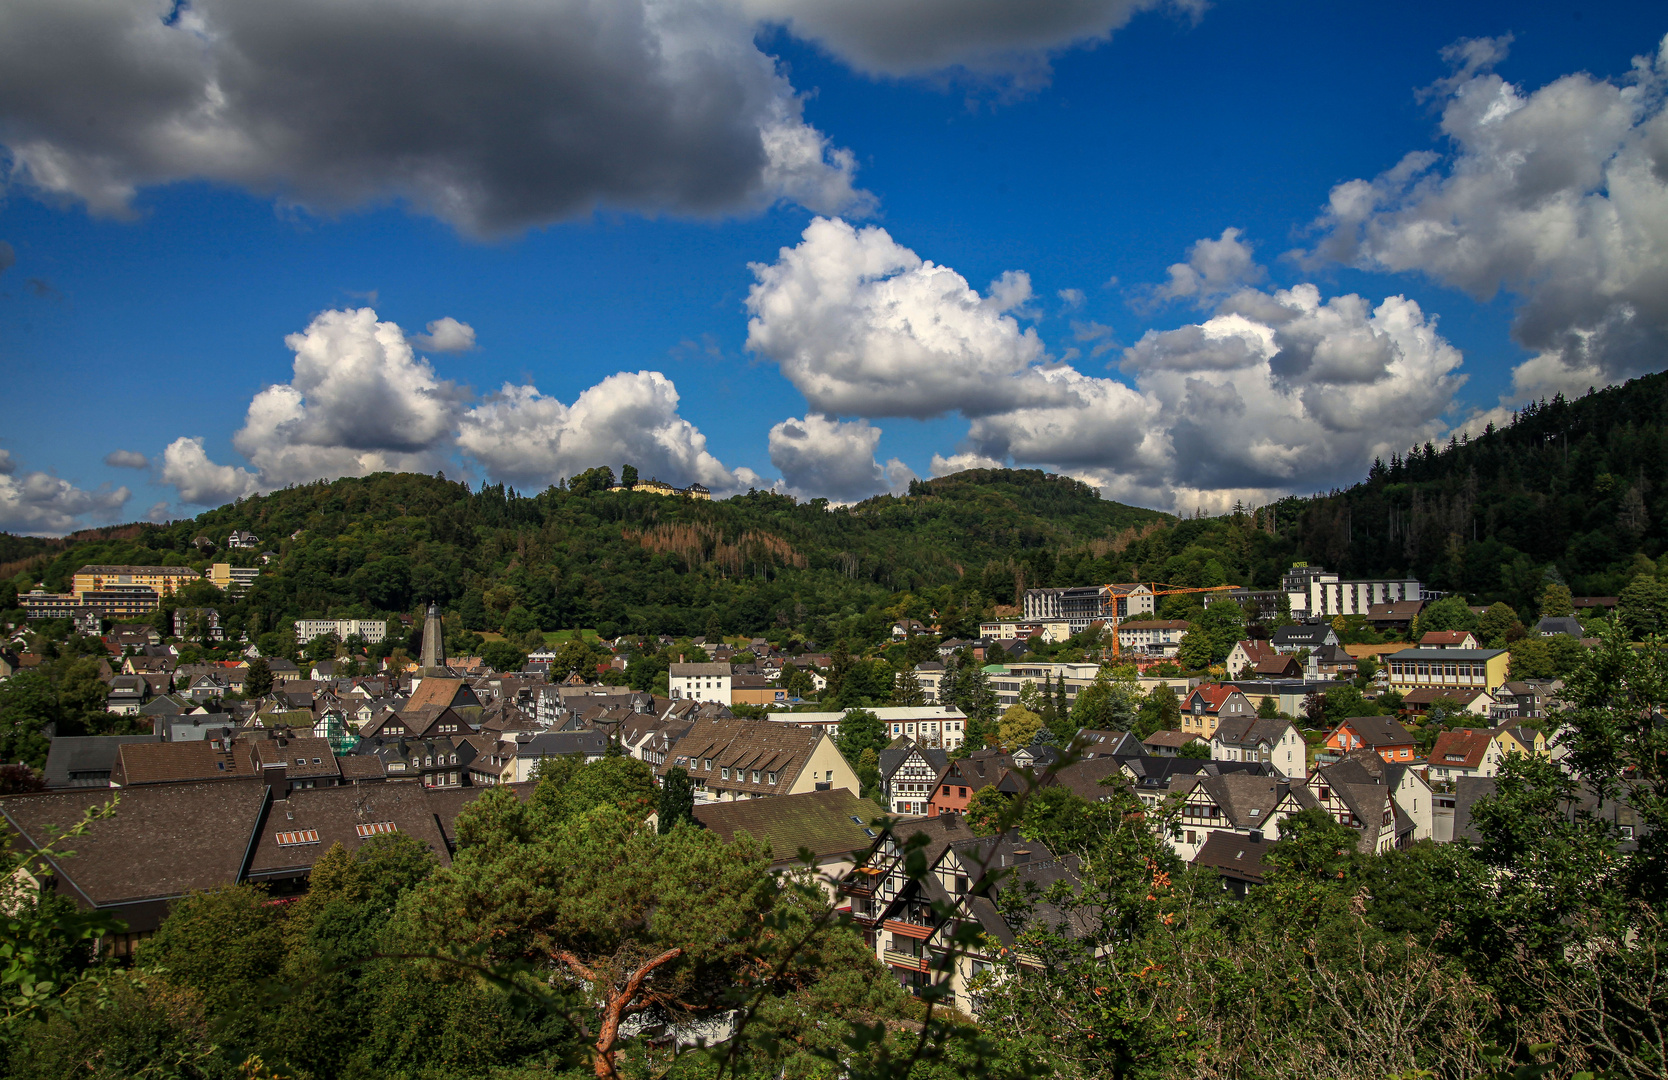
x: 701, y: 682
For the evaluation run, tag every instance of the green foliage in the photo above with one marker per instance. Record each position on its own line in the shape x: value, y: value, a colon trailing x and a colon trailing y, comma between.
x: 502, y: 656
x: 1448, y: 613
x: 568, y: 787
x: 1195, y: 750
x: 257, y: 680
x: 860, y: 730
x: 1557, y: 600
x: 677, y: 800
x: 1643, y: 606
x: 1212, y: 636
x: 28, y: 703
x: 1019, y: 726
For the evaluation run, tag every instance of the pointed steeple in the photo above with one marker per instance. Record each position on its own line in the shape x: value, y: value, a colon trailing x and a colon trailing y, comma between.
x: 434, y: 651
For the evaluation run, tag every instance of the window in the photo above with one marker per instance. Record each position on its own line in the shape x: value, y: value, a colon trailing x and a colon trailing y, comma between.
x: 961, y: 793
x: 376, y: 828
x: 725, y: 771
x: 1626, y: 831
x: 755, y: 776
x: 946, y: 790
x: 708, y: 765
x: 297, y: 837
x: 770, y: 777
x: 315, y: 761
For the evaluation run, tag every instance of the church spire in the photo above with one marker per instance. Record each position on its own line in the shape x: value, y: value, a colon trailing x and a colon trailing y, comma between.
x: 434, y: 649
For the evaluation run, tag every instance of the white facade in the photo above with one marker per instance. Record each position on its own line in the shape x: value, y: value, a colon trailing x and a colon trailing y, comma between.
x: 370, y: 631
x: 701, y: 682
x: 1314, y: 591
x: 940, y: 726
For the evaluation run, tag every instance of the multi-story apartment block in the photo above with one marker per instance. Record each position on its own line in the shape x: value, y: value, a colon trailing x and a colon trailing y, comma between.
x: 162, y: 580
x: 370, y: 631
x: 1315, y: 591
x: 1085, y: 604
x: 229, y: 577
x: 701, y: 682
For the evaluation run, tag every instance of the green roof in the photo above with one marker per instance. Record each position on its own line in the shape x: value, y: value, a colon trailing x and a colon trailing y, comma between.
x: 819, y: 820
x: 995, y: 669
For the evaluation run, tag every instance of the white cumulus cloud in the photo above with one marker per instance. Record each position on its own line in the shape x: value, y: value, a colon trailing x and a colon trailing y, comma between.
x: 186, y: 465
x: 1557, y: 195
x: 862, y: 325
x: 446, y: 335
x: 1213, y: 269
x: 1276, y: 392
x: 41, y: 504
x: 834, y: 459
x: 527, y: 438
x: 360, y: 401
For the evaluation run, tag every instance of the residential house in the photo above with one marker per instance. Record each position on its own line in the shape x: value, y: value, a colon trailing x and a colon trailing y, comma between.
x: 1553, y: 625
x: 1237, y: 859
x: 199, y: 623
x: 167, y: 841
x: 1474, y: 700
x: 756, y: 690
x: 1315, y: 592
x: 1383, y: 735
x: 1091, y: 743
x: 1515, y: 739
x: 1388, y: 804
x: 1244, y: 803
x: 702, y: 682
x: 127, y: 694
x: 1282, y: 666
x: 902, y: 917
x: 1276, y: 742
x: 142, y: 763
x: 290, y: 763
x: 1291, y: 639
x: 959, y: 779
x: 942, y: 726
x: 749, y: 759
x: 908, y: 773
x: 436, y: 763
x: 1170, y: 743
x: 74, y: 761
x: 1158, y: 637
x: 1397, y: 615
x: 1209, y: 704
x: 835, y: 825
x: 1464, y: 752
x: 1449, y: 639
x: 1247, y: 654
x: 242, y: 538
x: 521, y: 753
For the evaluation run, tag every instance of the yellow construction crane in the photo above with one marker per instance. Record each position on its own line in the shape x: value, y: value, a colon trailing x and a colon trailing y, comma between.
x: 1156, y: 588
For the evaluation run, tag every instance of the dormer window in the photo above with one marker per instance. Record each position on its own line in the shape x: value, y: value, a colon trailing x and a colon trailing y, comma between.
x: 725, y: 771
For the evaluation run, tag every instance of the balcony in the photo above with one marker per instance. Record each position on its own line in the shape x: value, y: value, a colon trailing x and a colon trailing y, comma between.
x: 910, y: 928
x: 905, y: 960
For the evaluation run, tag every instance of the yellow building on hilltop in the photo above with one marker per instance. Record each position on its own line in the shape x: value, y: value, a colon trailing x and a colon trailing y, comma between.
x: 164, y: 580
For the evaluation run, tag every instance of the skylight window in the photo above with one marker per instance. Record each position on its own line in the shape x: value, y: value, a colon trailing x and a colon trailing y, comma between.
x: 376, y: 828
x: 297, y: 837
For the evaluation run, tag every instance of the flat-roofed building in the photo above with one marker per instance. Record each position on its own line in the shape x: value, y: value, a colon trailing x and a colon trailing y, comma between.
x: 163, y: 580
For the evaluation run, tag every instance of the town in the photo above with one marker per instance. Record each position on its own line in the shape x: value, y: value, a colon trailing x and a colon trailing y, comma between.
x: 1384, y: 706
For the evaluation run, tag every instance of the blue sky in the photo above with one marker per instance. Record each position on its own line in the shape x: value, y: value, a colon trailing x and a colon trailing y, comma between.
x: 1091, y: 162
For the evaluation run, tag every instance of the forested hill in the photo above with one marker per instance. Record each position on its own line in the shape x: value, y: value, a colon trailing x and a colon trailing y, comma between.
x: 1573, y: 489
x: 580, y: 556
x: 1579, y: 486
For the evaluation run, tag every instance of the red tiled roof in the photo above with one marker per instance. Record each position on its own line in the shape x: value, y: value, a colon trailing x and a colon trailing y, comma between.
x: 1462, y: 748
x: 1214, y: 694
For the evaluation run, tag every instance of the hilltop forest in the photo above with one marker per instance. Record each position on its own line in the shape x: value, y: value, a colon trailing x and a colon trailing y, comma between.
x: 1571, y: 491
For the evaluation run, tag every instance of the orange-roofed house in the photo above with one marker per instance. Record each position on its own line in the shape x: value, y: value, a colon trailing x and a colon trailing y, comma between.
x: 1248, y: 654
x: 1211, y: 703
x: 1383, y: 735
x: 1464, y: 752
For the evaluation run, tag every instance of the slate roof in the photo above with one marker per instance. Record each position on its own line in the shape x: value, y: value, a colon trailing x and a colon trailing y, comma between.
x: 1551, y: 625
x: 561, y: 744
x: 699, y: 670
x: 1396, y: 611
x: 1300, y: 635
x: 1174, y: 739
x: 748, y: 745
x: 1424, y: 695
x: 1234, y: 856
x: 1084, y: 778
x: 305, y: 825
x: 831, y: 823
x: 1378, y: 730
x: 1250, y: 731
x: 162, y: 842
x: 358, y: 768
x: 892, y: 757
x: 177, y: 762
x: 70, y: 755
x: 301, y: 758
